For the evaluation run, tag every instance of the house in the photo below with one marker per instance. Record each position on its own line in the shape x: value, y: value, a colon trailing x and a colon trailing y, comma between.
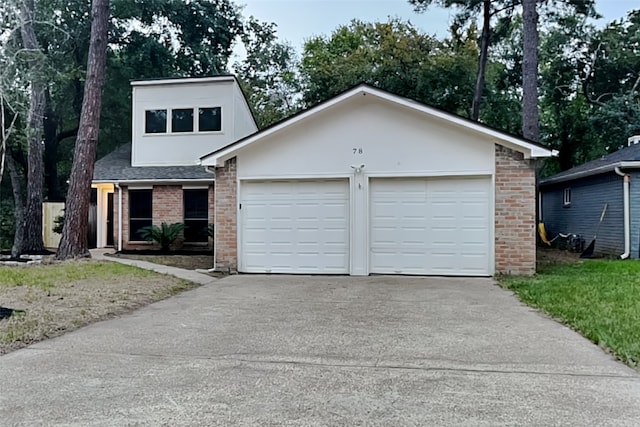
x: 573, y: 201
x: 156, y: 178
x: 373, y: 183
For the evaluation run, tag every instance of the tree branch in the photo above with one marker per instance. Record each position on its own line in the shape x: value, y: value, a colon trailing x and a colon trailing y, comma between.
x: 66, y: 134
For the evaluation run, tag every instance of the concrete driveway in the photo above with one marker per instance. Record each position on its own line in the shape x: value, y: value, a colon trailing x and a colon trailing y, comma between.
x: 282, y: 350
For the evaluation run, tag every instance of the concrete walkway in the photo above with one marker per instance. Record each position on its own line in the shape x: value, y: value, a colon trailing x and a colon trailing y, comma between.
x: 251, y: 350
x: 193, y: 276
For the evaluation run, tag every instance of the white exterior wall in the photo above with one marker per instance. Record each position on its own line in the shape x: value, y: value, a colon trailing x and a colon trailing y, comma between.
x: 394, y: 142
x: 185, y: 149
x: 243, y: 122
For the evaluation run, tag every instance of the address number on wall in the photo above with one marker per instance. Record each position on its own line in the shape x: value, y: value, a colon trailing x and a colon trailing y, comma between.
x: 358, y: 150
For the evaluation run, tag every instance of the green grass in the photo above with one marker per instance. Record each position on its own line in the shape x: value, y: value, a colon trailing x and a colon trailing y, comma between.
x: 598, y: 298
x: 47, y: 276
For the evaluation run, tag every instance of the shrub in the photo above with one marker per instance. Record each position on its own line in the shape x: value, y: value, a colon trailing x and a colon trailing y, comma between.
x: 165, y: 235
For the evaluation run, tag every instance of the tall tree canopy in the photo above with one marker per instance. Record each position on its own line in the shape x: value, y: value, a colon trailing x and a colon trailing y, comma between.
x: 394, y: 56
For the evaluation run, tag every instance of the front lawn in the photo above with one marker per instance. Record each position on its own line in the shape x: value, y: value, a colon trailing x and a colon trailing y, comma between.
x: 598, y: 298
x: 63, y: 296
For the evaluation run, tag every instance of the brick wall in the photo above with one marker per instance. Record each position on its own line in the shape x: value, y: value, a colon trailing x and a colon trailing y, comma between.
x: 515, y: 213
x: 226, y: 243
x: 167, y: 205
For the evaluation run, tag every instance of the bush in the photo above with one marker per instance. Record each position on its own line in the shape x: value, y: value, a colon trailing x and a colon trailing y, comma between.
x: 165, y: 235
x: 58, y: 224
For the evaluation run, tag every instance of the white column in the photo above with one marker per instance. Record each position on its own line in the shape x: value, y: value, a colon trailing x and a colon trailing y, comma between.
x: 359, y: 224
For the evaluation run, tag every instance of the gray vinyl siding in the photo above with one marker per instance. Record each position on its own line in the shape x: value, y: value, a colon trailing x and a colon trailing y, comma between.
x: 634, y: 202
x: 588, y: 197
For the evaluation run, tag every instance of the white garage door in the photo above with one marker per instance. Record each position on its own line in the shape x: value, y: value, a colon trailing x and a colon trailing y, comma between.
x: 431, y: 226
x: 295, y: 227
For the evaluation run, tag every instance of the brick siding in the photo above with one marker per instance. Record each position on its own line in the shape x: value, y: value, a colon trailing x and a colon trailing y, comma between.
x: 167, y: 205
x: 515, y: 213
x: 226, y: 217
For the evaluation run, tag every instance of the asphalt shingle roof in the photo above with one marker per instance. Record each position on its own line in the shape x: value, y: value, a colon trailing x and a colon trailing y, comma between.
x: 627, y: 154
x: 116, y: 166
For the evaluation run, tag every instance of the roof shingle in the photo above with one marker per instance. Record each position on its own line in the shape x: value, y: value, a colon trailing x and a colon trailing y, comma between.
x: 116, y: 166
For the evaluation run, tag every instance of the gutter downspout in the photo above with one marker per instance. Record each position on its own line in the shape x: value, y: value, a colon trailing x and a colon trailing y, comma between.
x: 119, y: 216
x: 627, y: 225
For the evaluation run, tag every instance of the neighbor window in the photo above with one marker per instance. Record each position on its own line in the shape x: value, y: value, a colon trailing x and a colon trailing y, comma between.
x: 566, y: 197
x: 209, y: 119
x: 182, y: 120
x: 196, y: 215
x: 155, y: 121
x: 140, y: 212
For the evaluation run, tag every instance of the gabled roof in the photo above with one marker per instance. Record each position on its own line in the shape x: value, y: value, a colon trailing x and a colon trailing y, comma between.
x: 530, y: 149
x: 628, y: 157
x: 116, y: 167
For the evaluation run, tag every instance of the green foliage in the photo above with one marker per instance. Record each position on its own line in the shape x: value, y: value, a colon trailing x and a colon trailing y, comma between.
x: 7, y: 225
x: 268, y: 73
x: 394, y: 56
x: 165, y: 235
x: 58, y: 224
x: 599, y: 299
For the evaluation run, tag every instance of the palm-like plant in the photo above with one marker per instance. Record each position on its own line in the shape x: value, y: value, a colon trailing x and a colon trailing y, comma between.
x: 165, y: 235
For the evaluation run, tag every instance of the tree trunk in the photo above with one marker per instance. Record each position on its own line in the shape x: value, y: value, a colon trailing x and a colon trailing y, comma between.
x: 530, y: 120
x: 485, y: 39
x: 19, y: 209
x: 33, y: 232
x: 74, y: 242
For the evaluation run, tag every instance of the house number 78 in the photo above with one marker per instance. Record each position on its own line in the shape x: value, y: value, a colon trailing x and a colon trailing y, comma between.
x: 358, y: 150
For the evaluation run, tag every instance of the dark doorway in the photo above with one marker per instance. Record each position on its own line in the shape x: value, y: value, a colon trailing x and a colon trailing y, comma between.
x: 109, y: 219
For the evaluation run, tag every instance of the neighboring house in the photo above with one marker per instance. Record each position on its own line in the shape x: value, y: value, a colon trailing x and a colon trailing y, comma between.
x: 156, y: 178
x: 573, y: 201
x: 372, y: 183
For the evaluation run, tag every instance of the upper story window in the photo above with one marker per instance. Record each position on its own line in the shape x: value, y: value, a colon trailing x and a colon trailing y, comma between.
x: 155, y: 121
x: 209, y: 119
x: 183, y: 120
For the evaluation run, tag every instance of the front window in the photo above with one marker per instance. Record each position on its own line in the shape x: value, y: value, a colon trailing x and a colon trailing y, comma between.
x: 155, y: 121
x: 140, y: 212
x: 196, y: 215
x: 566, y: 197
x: 210, y: 119
x: 182, y: 120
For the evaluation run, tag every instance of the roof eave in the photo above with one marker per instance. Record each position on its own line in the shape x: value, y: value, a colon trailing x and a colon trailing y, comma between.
x: 529, y: 150
x: 591, y: 172
x: 152, y: 181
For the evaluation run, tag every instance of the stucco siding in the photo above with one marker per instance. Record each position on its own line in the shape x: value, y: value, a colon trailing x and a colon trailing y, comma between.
x: 588, y: 197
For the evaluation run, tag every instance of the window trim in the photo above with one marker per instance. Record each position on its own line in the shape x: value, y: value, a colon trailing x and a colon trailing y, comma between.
x: 193, y: 125
x: 169, y: 121
x: 186, y: 219
x: 166, y: 121
x: 129, y: 191
x: 566, y: 197
x: 198, y: 119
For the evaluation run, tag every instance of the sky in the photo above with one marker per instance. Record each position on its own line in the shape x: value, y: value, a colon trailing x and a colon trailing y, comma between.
x: 299, y: 20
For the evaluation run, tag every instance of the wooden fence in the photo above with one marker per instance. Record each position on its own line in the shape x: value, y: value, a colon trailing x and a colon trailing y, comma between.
x: 51, y: 210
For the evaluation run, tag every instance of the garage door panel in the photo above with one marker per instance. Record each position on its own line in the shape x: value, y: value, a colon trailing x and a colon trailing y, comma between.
x: 430, y: 226
x: 303, y: 227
